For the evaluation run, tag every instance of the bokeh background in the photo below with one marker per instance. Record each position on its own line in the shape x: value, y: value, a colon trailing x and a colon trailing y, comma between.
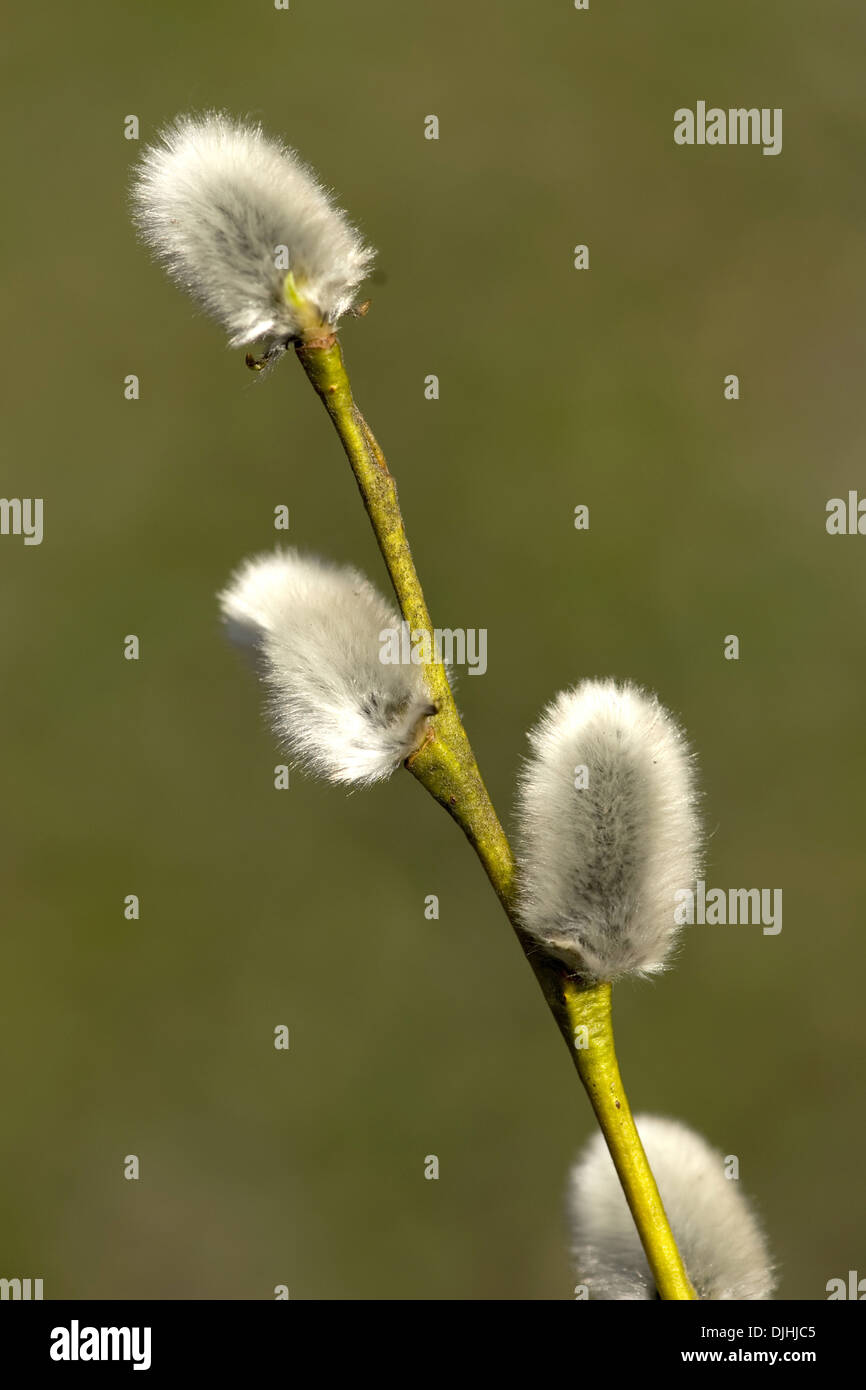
x: 558, y: 387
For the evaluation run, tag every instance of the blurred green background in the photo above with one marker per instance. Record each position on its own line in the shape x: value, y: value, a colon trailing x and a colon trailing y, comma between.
x: 558, y: 387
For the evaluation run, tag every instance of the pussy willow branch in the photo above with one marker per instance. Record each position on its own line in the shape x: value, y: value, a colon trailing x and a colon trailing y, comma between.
x: 446, y: 766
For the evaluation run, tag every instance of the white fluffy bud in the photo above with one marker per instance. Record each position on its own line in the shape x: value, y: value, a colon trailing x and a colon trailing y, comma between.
x: 342, y: 712
x: 216, y: 199
x: 601, y: 863
x: 718, y: 1236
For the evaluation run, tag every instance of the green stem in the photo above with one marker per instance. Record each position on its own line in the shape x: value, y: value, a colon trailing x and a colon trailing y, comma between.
x: 589, y: 1012
x: 446, y: 766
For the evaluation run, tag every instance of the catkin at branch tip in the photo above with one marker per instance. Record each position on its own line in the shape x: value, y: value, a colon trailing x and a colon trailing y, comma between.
x: 216, y: 198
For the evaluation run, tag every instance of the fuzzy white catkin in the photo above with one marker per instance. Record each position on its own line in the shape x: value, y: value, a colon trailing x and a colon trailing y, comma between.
x: 342, y: 713
x: 216, y: 198
x: 719, y: 1238
x: 600, y: 865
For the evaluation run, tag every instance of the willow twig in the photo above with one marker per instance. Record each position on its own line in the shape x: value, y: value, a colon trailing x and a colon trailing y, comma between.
x: 445, y: 765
